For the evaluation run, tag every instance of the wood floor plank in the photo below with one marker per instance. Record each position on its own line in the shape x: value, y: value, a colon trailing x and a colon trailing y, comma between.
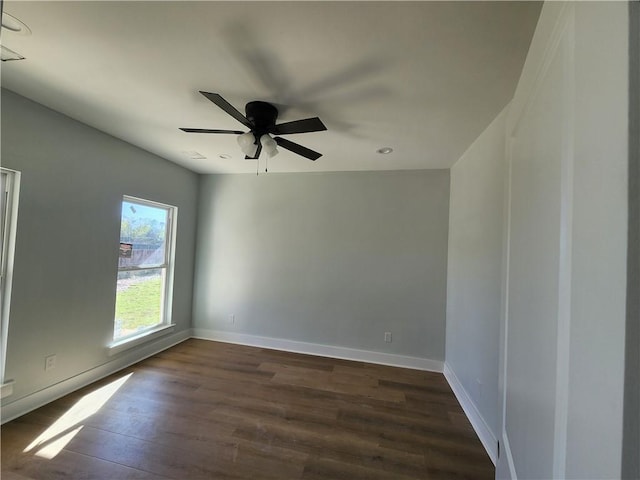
x: 325, y: 383
x: 264, y: 407
x: 9, y: 475
x: 341, y: 447
x: 210, y: 410
x: 320, y: 468
x: 66, y: 465
x: 374, y: 421
x: 455, y: 466
x: 72, y: 466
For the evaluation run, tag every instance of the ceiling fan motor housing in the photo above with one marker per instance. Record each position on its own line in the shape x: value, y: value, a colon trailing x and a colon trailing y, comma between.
x: 262, y: 116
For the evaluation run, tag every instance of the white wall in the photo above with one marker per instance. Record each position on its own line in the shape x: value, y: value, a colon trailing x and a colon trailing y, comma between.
x: 474, y: 277
x: 567, y: 138
x: 63, y: 299
x: 329, y: 259
x: 557, y: 403
x: 599, y: 248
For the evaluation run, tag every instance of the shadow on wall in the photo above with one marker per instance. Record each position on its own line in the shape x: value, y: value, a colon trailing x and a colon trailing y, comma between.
x: 631, y: 439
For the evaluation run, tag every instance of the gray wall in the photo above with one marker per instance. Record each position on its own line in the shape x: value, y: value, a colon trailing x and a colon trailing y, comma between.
x: 474, y: 293
x: 73, y: 179
x: 333, y: 258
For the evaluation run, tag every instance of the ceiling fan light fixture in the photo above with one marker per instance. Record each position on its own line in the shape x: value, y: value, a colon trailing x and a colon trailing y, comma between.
x: 247, y: 143
x: 14, y: 25
x: 269, y: 145
x: 7, y: 55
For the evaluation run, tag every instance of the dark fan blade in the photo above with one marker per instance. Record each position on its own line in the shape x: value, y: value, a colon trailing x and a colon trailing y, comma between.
x: 299, y: 149
x: 227, y: 107
x: 257, y: 155
x: 207, y: 130
x: 300, y: 126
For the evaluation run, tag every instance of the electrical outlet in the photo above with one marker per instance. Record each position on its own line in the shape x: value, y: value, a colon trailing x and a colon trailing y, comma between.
x: 232, y: 318
x: 49, y: 363
x: 387, y: 337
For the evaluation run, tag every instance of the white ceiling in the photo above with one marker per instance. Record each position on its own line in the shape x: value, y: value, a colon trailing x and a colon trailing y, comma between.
x: 424, y: 78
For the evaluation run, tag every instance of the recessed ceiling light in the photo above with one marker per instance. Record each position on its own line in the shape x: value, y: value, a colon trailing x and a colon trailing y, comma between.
x: 385, y: 150
x: 224, y: 156
x: 14, y: 25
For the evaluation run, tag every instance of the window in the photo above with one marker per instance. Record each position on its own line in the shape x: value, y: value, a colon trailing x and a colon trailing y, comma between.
x: 145, y: 269
x: 8, y: 223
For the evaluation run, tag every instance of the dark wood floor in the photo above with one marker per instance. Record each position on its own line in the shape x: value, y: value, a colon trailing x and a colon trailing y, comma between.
x: 209, y: 410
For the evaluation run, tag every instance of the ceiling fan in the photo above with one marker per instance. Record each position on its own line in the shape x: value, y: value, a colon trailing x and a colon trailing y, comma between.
x: 260, y: 119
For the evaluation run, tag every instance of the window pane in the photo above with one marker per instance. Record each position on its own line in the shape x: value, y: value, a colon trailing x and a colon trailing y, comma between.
x: 139, y: 300
x: 142, y: 235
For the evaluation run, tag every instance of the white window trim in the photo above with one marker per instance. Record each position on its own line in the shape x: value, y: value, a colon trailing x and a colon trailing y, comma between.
x: 8, y: 252
x: 166, y: 326
x: 145, y: 336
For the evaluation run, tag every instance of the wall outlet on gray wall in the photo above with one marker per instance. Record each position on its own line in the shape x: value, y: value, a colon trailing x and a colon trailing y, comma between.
x: 387, y: 337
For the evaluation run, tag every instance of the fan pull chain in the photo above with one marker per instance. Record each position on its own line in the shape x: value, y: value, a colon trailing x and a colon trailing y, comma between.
x: 266, y: 165
x: 257, y: 167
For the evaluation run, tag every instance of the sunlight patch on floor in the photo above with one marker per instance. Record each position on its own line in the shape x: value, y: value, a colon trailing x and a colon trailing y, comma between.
x: 53, y: 448
x: 51, y: 442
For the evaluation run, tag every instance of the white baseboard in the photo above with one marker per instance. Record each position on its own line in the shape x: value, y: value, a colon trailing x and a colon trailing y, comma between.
x: 320, y: 350
x: 483, y: 431
x: 37, y: 399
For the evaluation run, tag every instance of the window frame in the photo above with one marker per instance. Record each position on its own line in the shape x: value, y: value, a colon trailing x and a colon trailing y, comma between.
x: 9, y: 201
x: 165, y: 325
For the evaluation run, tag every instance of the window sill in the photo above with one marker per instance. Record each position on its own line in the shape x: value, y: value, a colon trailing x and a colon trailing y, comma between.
x: 147, y: 336
x: 6, y: 388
